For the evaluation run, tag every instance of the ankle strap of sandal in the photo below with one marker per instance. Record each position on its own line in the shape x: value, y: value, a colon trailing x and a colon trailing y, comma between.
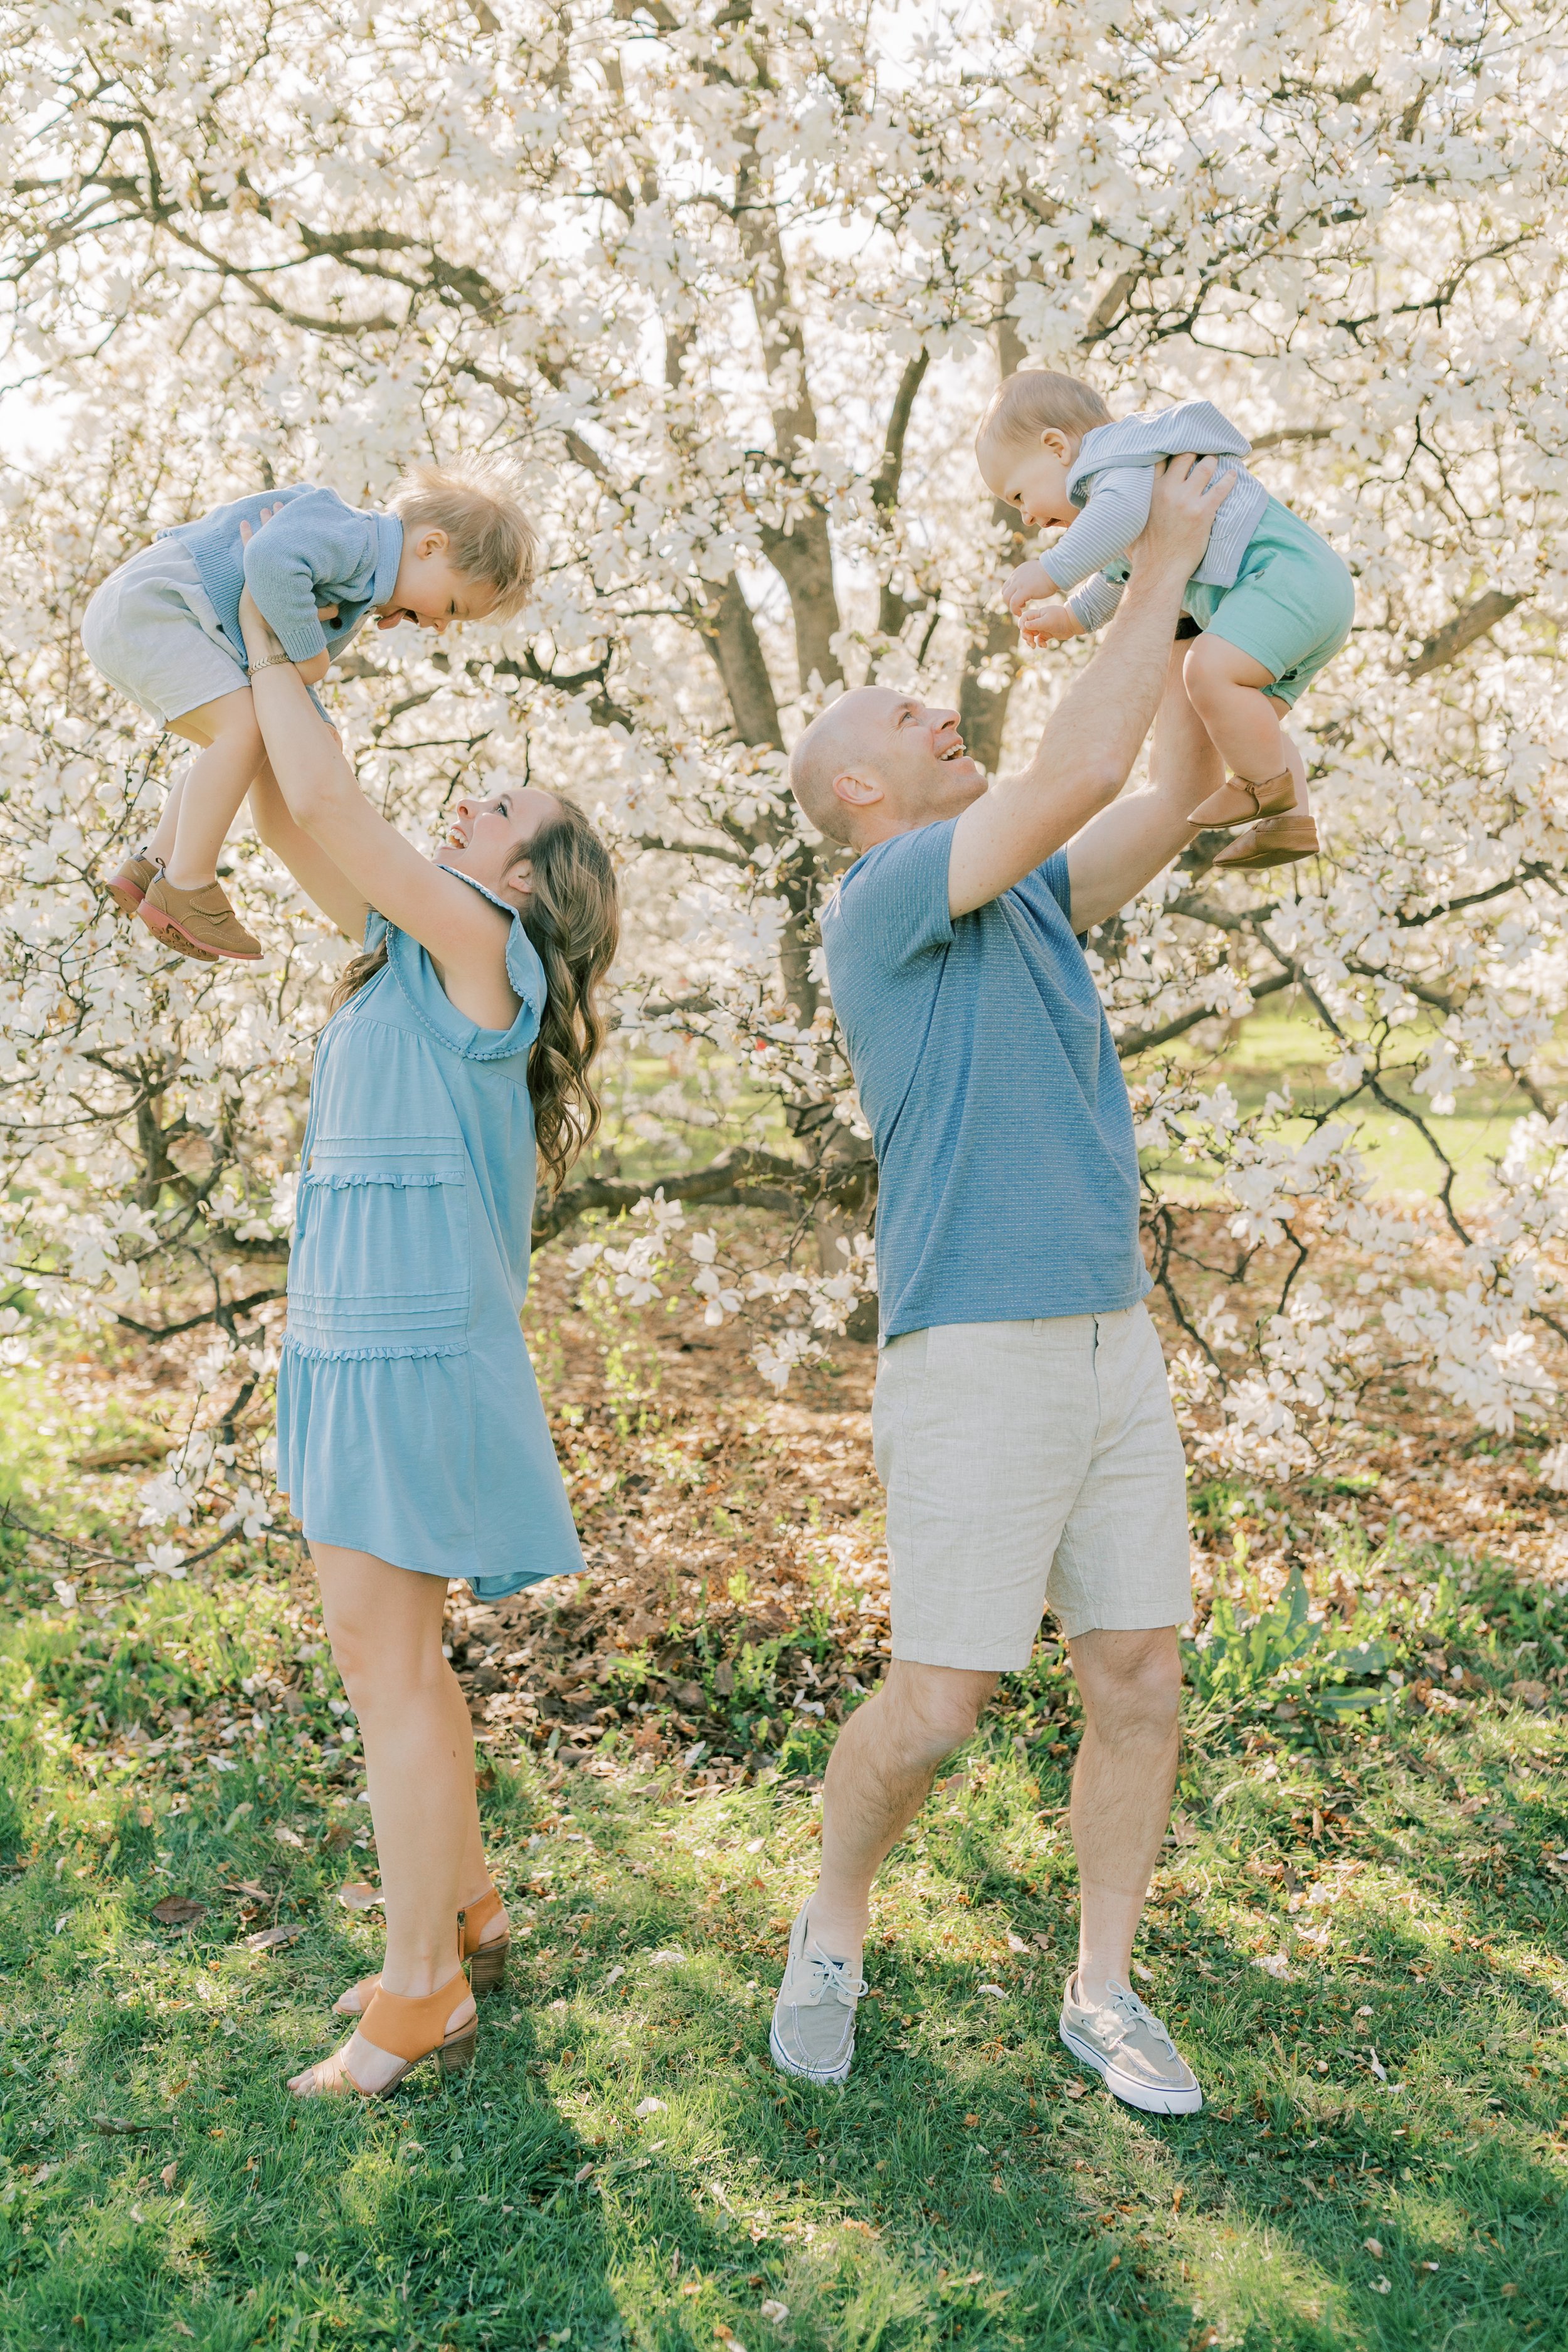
x: 476, y: 1918
x: 409, y: 2025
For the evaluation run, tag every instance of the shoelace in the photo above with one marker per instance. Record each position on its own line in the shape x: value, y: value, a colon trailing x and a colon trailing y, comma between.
x: 832, y: 1977
x: 1132, y: 2011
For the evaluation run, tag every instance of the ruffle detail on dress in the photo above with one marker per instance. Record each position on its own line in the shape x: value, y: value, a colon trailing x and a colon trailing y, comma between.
x: 339, y: 1180
x: 320, y: 1352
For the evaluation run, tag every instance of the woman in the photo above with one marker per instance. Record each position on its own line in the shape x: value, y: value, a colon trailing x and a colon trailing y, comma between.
x: 411, y: 1440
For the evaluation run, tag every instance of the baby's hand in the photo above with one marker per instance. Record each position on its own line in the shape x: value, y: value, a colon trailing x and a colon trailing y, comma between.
x: 1024, y: 586
x: 1043, y: 624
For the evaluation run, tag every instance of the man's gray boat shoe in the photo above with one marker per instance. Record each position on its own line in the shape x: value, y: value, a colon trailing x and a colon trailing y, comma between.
x: 812, y: 2029
x: 1125, y: 2042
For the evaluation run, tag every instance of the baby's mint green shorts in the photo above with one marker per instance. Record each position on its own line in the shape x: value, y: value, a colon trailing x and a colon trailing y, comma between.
x: 1291, y: 605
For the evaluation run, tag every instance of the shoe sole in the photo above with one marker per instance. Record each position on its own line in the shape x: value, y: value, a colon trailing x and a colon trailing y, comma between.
x: 807, y: 2074
x: 1131, y: 2093
x: 166, y: 927
x: 1281, y: 841
x: 126, y: 897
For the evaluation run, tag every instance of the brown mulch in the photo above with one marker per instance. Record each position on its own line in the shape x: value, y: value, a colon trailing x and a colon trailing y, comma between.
x: 736, y: 1574
x: 716, y: 1515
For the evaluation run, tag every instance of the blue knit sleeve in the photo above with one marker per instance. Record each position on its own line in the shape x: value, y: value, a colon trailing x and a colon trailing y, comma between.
x: 309, y: 544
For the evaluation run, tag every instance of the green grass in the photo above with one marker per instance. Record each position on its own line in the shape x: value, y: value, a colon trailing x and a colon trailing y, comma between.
x: 1274, y: 1046
x: 965, y: 2188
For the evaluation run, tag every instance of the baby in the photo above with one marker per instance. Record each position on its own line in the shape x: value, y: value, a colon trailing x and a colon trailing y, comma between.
x: 1271, y: 600
x: 165, y: 627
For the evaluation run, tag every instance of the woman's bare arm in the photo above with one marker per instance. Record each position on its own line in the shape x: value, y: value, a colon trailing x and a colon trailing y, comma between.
x: 465, y: 933
x: 324, y: 884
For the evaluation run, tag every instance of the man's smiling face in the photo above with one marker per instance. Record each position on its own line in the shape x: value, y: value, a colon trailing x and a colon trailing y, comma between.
x: 916, y: 755
x: 877, y: 762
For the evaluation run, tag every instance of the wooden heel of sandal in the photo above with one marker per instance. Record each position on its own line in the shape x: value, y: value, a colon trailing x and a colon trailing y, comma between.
x: 453, y: 2056
x: 487, y: 1961
x: 487, y: 1969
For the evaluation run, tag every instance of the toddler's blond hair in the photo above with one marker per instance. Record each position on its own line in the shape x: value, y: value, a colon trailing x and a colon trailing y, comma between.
x: 1037, y: 401
x: 488, y: 536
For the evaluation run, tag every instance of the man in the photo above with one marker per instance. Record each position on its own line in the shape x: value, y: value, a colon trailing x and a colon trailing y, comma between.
x: 1023, y: 1425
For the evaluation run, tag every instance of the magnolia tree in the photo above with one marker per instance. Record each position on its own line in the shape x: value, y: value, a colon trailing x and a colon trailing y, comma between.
x: 727, y: 282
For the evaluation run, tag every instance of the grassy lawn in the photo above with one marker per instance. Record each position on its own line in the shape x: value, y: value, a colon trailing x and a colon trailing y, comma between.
x: 1277, y: 1047
x: 1382, y: 2161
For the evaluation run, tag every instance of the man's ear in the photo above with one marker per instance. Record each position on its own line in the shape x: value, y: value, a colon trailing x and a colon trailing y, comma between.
x: 856, y: 792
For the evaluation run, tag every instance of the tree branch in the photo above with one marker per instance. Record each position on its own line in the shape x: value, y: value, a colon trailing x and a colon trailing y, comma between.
x: 1140, y: 1041
x: 721, y: 1176
x: 1450, y: 641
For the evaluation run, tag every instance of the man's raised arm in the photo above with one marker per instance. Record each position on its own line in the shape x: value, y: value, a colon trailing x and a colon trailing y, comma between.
x: 1128, y: 843
x: 1093, y: 735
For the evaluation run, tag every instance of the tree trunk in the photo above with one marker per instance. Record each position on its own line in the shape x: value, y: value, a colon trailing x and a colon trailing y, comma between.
x: 802, y: 554
x: 982, y: 708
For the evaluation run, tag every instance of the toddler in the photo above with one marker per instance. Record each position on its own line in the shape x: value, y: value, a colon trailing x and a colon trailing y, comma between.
x: 165, y: 627
x: 1271, y: 600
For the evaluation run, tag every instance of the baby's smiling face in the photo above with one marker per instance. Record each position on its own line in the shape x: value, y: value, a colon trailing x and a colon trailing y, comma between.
x: 430, y: 591
x: 1031, y: 476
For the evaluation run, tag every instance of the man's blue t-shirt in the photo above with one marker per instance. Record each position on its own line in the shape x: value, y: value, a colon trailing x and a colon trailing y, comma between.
x: 1008, y: 1175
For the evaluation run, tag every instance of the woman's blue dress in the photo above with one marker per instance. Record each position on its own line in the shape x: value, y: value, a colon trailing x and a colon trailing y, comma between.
x: 410, y: 1423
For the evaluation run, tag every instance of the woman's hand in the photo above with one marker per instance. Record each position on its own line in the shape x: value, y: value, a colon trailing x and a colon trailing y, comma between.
x: 260, y: 645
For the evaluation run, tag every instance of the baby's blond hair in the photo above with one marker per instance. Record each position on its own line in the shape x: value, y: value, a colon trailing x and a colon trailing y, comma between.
x: 489, y: 538
x: 1037, y: 401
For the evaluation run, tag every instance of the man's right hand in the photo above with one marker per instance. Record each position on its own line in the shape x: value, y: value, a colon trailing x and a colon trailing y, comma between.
x: 1188, y: 493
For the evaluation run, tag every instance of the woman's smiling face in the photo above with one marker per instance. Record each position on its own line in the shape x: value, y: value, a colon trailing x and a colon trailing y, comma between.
x: 484, y: 838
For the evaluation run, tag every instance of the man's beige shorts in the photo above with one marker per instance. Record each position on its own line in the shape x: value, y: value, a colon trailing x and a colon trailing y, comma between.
x: 1029, y: 1466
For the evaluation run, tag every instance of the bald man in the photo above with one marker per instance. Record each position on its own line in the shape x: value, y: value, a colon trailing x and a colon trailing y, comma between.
x: 1022, y: 1424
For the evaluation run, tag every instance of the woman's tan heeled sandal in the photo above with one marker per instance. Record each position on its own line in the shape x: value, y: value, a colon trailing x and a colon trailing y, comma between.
x: 401, y: 2026
x: 487, y: 1962
x: 413, y: 2027
x: 1239, y: 802
x: 1278, y: 841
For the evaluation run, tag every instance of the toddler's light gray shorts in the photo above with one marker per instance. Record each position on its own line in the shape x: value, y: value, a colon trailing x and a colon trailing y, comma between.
x: 1029, y: 1466
x: 152, y: 631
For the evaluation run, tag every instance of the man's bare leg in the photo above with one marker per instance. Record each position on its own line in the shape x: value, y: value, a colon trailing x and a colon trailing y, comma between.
x: 879, y: 1777
x: 1131, y: 1684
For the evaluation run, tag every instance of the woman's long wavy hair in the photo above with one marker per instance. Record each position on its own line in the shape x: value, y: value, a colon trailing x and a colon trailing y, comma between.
x: 574, y: 920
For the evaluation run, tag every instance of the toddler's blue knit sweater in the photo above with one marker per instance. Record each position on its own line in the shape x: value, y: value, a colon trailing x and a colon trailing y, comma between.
x: 315, y: 550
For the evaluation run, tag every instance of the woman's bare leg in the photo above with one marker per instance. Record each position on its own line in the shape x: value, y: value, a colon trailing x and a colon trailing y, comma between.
x: 384, y: 1625
x: 473, y: 1872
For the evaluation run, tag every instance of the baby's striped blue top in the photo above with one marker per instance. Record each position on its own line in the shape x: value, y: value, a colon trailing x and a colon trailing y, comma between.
x: 1111, y: 479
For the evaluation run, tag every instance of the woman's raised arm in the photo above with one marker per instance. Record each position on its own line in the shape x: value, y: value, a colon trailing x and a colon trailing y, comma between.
x: 465, y: 933
x: 322, y: 882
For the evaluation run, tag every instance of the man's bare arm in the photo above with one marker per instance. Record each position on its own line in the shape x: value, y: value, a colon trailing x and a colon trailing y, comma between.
x: 1128, y: 843
x: 1093, y: 735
